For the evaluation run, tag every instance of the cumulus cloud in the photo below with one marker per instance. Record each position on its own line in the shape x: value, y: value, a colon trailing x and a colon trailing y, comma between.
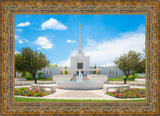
x: 24, y: 24
x: 20, y: 41
x: 64, y: 63
x: 17, y: 52
x: 53, y: 24
x: 70, y: 41
x: 103, y: 53
x: 26, y: 40
x: 44, y: 42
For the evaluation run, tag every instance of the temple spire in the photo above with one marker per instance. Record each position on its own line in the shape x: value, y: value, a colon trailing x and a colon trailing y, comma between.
x: 79, y: 34
x: 80, y: 49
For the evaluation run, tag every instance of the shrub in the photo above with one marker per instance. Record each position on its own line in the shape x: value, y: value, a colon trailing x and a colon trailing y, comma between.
x: 44, y: 79
x: 133, y: 76
x: 40, y: 74
x: 27, y: 75
x: 65, y: 72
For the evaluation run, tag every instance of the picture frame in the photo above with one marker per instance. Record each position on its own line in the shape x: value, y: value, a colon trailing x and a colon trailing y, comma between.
x: 152, y: 44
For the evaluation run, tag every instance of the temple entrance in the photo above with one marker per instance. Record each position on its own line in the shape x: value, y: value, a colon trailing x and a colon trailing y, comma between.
x: 79, y: 65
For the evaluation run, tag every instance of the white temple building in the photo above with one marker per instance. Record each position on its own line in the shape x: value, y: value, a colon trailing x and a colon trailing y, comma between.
x: 80, y: 61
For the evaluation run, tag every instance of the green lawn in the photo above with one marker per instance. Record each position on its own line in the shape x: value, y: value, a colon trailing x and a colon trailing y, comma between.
x: 34, y: 99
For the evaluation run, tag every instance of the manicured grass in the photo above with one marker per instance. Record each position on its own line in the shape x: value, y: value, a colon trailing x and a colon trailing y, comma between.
x: 20, y: 99
x: 43, y: 79
x: 117, y: 79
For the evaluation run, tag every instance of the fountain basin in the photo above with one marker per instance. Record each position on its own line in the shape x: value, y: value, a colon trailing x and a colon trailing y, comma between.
x: 80, y: 84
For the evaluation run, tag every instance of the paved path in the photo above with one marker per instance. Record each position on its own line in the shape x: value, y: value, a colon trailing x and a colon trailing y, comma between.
x: 79, y: 94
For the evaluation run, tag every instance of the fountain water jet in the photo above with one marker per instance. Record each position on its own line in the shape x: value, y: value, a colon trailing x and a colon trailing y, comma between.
x: 79, y: 76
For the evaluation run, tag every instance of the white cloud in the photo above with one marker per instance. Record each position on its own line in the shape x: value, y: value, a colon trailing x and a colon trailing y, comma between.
x: 64, y: 63
x: 24, y: 24
x: 103, y: 53
x: 53, y: 24
x: 16, y: 37
x: 70, y: 41
x: 26, y: 40
x: 16, y: 52
x: 39, y: 48
x: 20, y: 41
x: 43, y: 42
x: 141, y: 28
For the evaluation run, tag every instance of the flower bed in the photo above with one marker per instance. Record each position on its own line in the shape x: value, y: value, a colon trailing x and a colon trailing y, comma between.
x: 25, y: 91
x: 141, y: 78
x: 18, y: 77
x: 132, y: 93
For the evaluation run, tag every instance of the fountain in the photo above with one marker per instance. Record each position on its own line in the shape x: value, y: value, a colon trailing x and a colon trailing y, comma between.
x: 80, y: 83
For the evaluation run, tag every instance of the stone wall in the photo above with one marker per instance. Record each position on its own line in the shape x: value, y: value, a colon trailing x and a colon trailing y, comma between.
x: 97, y: 77
x: 62, y: 77
x: 50, y: 70
x: 110, y: 71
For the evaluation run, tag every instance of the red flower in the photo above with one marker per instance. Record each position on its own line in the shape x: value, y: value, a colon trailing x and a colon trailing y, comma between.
x: 32, y: 93
x: 131, y: 94
x: 116, y: 94
x: 137, y: 94
x: 122, y: 95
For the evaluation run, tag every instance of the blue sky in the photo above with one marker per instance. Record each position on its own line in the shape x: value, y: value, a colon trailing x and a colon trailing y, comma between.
x: 104, y: 37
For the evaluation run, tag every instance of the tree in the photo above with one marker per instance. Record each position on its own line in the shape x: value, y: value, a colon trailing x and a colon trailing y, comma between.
x: 128, y: 63
x: 30, y: 61
x: 141, y: 67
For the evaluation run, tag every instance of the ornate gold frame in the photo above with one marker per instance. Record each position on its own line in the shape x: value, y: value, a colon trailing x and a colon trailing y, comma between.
x: 12, y: 7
